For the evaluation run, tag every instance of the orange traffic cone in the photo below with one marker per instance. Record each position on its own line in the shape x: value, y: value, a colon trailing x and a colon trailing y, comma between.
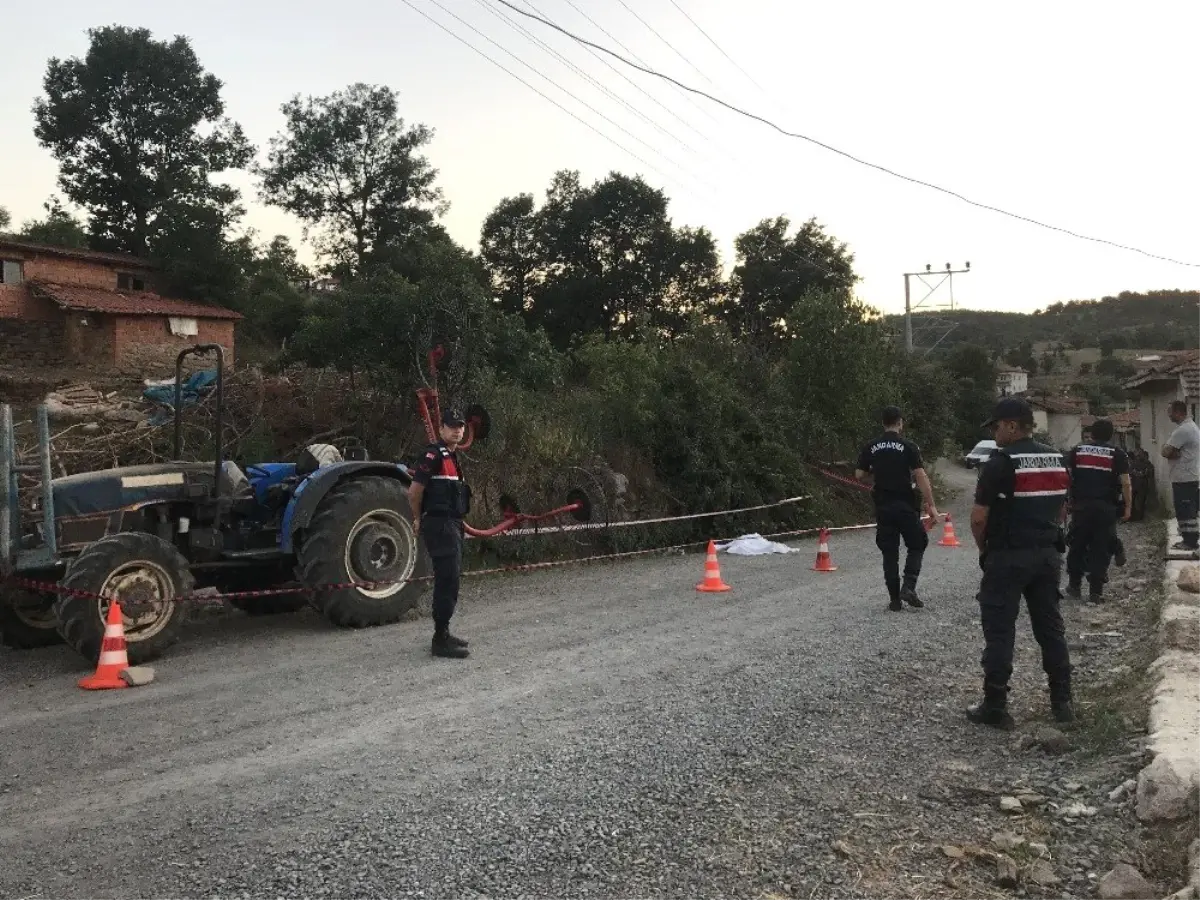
x: 824, y: 561
x: 712, y: 582
x: 948, y: 537
x: 113, y: 658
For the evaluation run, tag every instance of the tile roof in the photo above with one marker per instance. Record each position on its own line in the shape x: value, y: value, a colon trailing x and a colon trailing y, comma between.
x: 1122, y: 421
x: 1185, y: 367
x: 120, y: 260
x: 1059, y: 405
x: 128, y: 303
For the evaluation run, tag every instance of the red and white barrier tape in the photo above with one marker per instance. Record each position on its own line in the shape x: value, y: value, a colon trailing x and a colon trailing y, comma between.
x: 595, y: 526
x: 204, y: 597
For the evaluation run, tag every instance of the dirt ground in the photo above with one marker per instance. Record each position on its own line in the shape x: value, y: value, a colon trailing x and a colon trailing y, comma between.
x: 614, y: 734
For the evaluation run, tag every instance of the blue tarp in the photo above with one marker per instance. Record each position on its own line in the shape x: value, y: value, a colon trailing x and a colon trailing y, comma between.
x: 196, y: 387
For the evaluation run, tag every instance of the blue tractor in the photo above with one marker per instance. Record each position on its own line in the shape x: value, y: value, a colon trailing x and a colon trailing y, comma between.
x: 152, y: 535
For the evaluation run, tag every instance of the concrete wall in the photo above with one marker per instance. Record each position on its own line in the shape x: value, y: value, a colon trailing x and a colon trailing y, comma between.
x: 1065, y: 429
x: 1156, y: 428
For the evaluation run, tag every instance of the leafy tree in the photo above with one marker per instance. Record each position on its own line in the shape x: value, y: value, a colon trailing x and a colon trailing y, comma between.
x: 349, y: 166
x: 604, y: 259
x: 58, y: 229
x: 383, y: 324
x: 138, y: 129
x: 273, y: 300
x: 510, y: 251
x: 5, y: 218
x: 774, y: 271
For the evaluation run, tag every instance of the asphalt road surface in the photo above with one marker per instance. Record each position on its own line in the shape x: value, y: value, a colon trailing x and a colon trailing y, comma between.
x: 614, y: 734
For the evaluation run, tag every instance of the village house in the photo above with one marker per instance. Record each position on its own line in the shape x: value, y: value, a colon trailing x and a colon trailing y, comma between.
x: 60, y: 306
x: 1011, y: 380
x: 1157, y: 386
x: 1061, y: 418
x: 1126, y: 428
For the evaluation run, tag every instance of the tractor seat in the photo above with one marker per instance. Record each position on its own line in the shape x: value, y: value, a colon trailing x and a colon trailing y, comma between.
x: 233, y: 482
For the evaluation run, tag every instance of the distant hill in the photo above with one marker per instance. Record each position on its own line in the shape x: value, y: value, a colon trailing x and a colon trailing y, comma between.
x: 1169, y: 320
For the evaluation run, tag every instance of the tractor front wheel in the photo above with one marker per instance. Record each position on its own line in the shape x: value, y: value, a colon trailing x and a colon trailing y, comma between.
x: 27, y: 618
x: 362, y: 533
x: 150, y: 579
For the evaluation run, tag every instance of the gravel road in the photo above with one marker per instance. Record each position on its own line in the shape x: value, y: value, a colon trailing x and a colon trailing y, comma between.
x: 614, y: 734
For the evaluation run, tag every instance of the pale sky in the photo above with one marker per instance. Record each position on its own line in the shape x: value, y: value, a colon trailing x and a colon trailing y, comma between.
x: 1078, y: 114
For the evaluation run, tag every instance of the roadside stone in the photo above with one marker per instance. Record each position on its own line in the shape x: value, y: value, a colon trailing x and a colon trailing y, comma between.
x: 1007, y: 873
x: 1077, y: 810
x: 1125, y: 882
x: 953, y: 852
x: 1010, y: 804
x: 1189, y: 579
x: 1180, y: 627
x: 1007, y: 841
x: 1041, y: 872
x: 1031, y: 799
x: 1051, y: 740
x: 1039, y: 848
x: 1164, y: 793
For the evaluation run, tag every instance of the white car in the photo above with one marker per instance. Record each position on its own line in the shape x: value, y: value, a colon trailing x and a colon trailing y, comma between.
x: 979, y: 454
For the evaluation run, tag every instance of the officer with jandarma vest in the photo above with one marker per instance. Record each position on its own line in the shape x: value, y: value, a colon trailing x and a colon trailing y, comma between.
x: 1017, y: 524
x: 440, y: 498
x: 1099, y: 475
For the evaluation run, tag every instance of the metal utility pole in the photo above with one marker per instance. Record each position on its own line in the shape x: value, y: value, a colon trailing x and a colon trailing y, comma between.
x: 908, y: 304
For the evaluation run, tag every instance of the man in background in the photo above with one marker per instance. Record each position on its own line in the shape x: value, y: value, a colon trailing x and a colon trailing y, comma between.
x: 894, y: 463
x: 1183, y: 452
x: 1099, y: 472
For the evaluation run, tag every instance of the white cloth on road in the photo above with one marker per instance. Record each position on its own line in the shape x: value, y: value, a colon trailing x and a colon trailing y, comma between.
x: 754, y: 545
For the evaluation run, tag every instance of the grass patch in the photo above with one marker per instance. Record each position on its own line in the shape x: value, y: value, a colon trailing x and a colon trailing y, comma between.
x: 1162, y: 854
x: 1109, y: 711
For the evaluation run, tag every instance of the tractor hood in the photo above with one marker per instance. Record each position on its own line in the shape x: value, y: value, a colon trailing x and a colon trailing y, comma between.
x: 90, y: 493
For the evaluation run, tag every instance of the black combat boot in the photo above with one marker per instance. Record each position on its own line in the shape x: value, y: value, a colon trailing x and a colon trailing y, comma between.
x: 1095, y: 594
x: 909, y: 595
x: 993, y: 710
x: 1075, y: 588
x: 1119, y: 553
x: 1061, y: 704
x: 895, y: 605
x: 447, y: 645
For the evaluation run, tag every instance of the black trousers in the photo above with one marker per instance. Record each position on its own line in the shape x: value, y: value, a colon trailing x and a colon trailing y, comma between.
x: 896, y: 522
x: 1009, y: 575
x: 444, y: 540
x: 1091, y: 542
x: 1186, y: 497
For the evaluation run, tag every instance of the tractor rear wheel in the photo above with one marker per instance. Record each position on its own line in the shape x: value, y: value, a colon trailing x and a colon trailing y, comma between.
x: 362, y: 532
x: 150, y: 579
x: 27, y: 618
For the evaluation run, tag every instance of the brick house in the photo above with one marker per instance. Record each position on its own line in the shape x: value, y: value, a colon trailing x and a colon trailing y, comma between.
x: 60, y: 306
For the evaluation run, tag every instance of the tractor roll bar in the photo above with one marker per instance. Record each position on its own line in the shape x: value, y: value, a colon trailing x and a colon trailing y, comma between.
x: 183, y: 354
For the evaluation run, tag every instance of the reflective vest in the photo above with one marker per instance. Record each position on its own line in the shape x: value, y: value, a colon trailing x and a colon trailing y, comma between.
x: 1027, y: 516
x: 447, y: 493
x: 1093, y: 473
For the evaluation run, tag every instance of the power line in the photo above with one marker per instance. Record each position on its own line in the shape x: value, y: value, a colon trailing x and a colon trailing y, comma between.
x: 670, y: 46
x: 551, y: 80
x: 721, y: 50
x: 843, y: 153
x: 634, y: 84
x: 607, y: 34
x: 544, y: 96
x: 517, y: 26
